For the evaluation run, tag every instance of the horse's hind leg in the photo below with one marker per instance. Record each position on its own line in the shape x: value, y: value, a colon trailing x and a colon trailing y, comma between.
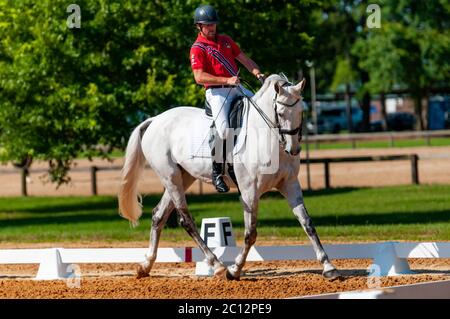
x: 173, y: 183
x: 160, y: 216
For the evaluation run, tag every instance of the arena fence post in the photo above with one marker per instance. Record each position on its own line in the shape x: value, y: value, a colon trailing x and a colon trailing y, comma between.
x: 51, y: 266
x: 388, y: 262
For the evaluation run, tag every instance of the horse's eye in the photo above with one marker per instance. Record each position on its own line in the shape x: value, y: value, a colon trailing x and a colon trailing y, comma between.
x: 281, y: 110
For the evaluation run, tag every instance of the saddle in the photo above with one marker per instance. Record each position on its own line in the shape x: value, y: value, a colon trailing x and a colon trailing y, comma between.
x: 235, y: 116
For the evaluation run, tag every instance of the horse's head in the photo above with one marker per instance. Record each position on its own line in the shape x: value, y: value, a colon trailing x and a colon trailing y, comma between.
x: 287, y: 103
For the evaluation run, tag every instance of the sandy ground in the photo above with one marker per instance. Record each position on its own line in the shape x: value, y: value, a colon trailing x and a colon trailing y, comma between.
x: 434, y: 168
x: 280, y: 279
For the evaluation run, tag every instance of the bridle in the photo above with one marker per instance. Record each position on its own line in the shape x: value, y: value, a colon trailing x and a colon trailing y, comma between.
x: 282, y: 131
x: 277, y: 124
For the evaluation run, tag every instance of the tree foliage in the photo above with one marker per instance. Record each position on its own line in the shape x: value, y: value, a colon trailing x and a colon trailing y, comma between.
x: 66, y: 92
x: 411, y: 50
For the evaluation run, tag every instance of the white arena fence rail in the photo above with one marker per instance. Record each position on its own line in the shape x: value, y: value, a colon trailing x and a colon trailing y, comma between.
x: 389, y: 258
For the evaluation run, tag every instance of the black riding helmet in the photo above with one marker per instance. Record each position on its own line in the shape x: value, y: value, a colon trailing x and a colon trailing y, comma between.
x: 205, y: 15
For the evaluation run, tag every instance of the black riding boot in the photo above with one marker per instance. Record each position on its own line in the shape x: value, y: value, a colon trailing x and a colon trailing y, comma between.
x: 217, y: 178
x: 218, y: 169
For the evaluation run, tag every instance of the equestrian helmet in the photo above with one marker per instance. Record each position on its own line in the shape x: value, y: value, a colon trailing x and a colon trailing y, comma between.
x: 205, y: 15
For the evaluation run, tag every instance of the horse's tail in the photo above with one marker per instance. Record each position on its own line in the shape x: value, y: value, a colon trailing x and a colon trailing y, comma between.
x: 130, y: 202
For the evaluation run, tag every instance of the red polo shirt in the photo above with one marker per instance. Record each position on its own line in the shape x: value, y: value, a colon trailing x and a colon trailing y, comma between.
x: 200, y: 59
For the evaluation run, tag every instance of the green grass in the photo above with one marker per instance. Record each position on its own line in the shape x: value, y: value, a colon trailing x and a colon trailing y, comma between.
x: 343, y: 214
x: 115, y: 153
x: 383, y: 144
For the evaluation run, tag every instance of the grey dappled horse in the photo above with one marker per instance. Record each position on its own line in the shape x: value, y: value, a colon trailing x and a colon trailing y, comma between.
x: 164, y: 141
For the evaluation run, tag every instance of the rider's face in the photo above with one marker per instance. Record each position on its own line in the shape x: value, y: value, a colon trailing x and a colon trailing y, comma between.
x: 208, y: 30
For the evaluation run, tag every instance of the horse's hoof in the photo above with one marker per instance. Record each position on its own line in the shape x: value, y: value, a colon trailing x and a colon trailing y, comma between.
x: 141, y: 273
x: 332, y: 274
x: 233, y: 273
x: 220, y: 271
x: 229, y: 276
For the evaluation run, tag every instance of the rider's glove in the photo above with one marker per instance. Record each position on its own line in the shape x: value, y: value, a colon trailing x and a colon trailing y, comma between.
x: 261, y: 77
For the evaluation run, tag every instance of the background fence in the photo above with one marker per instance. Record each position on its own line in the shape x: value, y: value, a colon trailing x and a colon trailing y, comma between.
x: 390, y: 137
x: 413, y: 158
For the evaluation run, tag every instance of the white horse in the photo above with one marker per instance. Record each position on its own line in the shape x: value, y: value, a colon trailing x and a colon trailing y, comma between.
x: 165, y: 142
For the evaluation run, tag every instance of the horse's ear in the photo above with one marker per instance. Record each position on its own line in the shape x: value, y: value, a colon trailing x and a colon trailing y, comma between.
x: 300, y: 85
x: 278, y: 88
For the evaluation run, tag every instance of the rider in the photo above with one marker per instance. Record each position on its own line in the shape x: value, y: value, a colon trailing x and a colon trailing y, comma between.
x: 213, y: 64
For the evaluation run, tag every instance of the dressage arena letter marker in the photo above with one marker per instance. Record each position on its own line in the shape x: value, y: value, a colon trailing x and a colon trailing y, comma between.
x: 206, y: 232
x: 216, y: 232
x: 226, y: 233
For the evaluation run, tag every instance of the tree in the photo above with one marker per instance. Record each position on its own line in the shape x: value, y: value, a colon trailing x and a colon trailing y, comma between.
x: 338, y: 26
x: 411, y: 50
x: 66, y: 91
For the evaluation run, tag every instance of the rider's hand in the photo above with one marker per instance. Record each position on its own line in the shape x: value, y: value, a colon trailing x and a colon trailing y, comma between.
x: 234, y: 80
x: 261, y: 77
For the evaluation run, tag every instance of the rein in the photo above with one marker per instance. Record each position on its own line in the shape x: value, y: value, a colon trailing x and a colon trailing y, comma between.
x: 277, y: 124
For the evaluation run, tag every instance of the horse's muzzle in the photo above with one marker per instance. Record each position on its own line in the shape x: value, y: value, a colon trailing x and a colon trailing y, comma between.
x: 293, y: 153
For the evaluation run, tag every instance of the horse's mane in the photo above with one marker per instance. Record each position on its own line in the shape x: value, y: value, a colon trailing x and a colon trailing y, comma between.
x: 270, y: 80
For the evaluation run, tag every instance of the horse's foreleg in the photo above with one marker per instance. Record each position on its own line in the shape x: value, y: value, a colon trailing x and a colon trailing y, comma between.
x: 250, y: 203
x: 293, y: 193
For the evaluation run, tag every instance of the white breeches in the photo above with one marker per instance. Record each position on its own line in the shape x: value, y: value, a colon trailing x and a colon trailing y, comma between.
x: 220, y: 101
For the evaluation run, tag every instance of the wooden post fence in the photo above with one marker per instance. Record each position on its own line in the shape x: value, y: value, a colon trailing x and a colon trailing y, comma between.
x: 94, y: 170
x: 415, y: 169
x: 23, y: 178
x: 414, y: 158
x: 327, y: 173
